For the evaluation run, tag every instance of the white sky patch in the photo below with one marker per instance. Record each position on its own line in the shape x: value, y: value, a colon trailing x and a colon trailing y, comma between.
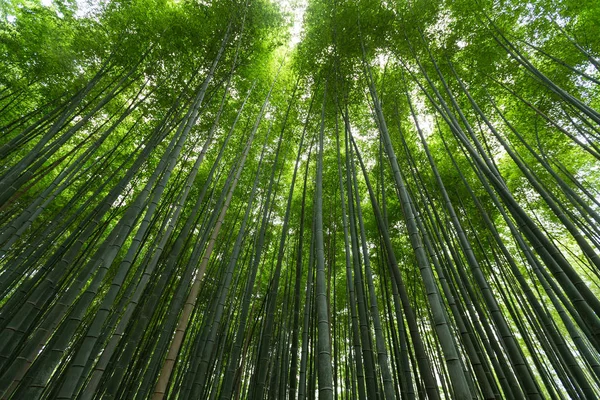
x: 87, y: 7
x: 426, y: 123
x: 381, y: 59
x: 295, y: 10
x: 84, y: 7
x: 424, y: 118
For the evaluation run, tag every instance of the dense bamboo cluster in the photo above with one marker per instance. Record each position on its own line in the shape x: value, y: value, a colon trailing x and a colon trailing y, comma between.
x: 404, y: 205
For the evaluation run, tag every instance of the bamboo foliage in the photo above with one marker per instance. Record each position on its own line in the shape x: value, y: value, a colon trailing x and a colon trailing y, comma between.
x: 402, y: 202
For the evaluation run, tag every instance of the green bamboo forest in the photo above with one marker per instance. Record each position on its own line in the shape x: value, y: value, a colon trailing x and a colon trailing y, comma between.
x: 320, y: 199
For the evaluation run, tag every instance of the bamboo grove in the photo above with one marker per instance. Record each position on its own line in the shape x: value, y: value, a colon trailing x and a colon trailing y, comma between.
x: 403, y: 205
